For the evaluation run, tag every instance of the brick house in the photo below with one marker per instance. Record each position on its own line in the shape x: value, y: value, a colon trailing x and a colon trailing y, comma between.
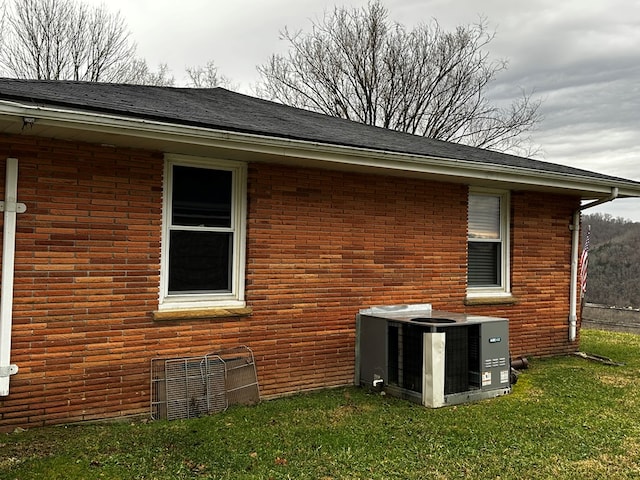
x: 175, y: 222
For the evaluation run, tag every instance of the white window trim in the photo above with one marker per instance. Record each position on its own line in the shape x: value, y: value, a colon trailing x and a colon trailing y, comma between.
x: 503, y: 290
x: 239, y: 218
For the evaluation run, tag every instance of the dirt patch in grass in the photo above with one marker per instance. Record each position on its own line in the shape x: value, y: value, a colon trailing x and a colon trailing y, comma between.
x: 624, y: 465
x: 526, y: 391
x: 12, y: 454
x: 617, y: 380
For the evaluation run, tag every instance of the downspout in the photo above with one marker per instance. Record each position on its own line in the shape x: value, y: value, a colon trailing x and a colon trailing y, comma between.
x: 575, y: 243
x: 11, y: 208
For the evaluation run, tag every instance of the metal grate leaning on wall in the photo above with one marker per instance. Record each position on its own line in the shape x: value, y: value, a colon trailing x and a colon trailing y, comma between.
x: 190, y: 387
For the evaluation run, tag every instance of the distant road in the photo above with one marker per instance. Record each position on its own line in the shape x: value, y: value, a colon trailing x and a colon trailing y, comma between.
x: 611, y: 318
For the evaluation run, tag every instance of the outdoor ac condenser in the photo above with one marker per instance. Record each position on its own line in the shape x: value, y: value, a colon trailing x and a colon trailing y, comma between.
x: 432, y: 357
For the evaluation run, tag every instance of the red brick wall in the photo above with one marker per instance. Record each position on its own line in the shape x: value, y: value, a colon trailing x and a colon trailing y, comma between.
x: 320, y: 249
x: 86, y: 276
x: 540, y: 274
x: 320, y: 246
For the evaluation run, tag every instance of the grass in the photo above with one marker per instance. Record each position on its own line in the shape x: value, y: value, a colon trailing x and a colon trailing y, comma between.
x: 567, y: 418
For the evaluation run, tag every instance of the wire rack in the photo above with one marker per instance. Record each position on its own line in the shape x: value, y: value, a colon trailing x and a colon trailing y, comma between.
x: 190, y: 387
x: 241, y: 383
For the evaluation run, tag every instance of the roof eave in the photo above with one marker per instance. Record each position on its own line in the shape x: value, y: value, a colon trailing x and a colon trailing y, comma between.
x: 187, y: 139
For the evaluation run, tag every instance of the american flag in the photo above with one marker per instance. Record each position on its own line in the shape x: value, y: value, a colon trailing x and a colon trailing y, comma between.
x: 584, y: 263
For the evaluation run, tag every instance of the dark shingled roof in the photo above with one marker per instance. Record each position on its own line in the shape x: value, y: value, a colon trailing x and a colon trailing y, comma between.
x: 220, y: 109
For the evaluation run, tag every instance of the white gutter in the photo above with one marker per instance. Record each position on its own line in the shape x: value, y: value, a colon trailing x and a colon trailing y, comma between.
x: 11, y: 208
x: 158, y: 134
x: 575, y: 243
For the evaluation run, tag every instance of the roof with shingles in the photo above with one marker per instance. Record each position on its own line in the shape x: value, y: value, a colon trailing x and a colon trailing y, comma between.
x: 224, y: 110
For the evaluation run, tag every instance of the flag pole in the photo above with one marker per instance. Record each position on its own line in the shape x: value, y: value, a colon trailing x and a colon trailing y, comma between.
x: 584, y: 265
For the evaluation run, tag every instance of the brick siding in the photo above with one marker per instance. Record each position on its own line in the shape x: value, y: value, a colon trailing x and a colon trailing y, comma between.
x: 320, y: 246
x: 540, y: 275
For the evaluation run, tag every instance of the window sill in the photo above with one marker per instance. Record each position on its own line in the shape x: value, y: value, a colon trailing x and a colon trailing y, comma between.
x: 491, y: 300
x: 203, y: 313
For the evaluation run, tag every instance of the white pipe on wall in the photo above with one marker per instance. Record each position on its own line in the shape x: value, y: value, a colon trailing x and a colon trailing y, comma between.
x: 575, y: 243
x: 573, y: 292
x: 11, y: 208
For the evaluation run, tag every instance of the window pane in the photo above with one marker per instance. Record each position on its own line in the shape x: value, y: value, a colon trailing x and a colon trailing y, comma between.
x: 484, y: 264
x: 199, y: 262
x: 201, y: 197
x: 484, y: 216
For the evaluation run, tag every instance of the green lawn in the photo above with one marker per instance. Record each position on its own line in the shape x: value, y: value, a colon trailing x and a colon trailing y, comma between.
x: 567, y: 418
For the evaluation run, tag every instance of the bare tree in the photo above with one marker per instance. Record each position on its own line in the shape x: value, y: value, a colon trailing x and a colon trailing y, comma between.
x: 140, y: 74
x: 63, y: 39
x: 2, y: 30
x: 358, y: 65
x: 207, y: 77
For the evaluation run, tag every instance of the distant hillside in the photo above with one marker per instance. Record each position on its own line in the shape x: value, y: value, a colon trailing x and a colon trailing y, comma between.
x: 614, y: 261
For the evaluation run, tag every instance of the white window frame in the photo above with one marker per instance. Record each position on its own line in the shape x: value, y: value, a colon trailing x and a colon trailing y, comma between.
x: 504, y: 289
x: 234, y: 298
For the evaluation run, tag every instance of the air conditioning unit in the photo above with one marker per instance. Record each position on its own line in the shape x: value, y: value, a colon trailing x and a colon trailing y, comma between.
x: 435, y: 358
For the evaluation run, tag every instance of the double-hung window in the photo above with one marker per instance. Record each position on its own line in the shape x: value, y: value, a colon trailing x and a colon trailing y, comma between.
x: 203, y: 239
x: 488, y: 244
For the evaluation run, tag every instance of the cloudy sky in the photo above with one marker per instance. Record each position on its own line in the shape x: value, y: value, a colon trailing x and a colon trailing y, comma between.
x: 580, y: 57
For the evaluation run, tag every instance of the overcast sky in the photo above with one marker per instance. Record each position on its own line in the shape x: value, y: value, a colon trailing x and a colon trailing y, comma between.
x: 580, y: 57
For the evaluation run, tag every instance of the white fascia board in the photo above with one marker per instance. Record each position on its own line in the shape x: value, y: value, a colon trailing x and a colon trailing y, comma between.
x: 328, y: 154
